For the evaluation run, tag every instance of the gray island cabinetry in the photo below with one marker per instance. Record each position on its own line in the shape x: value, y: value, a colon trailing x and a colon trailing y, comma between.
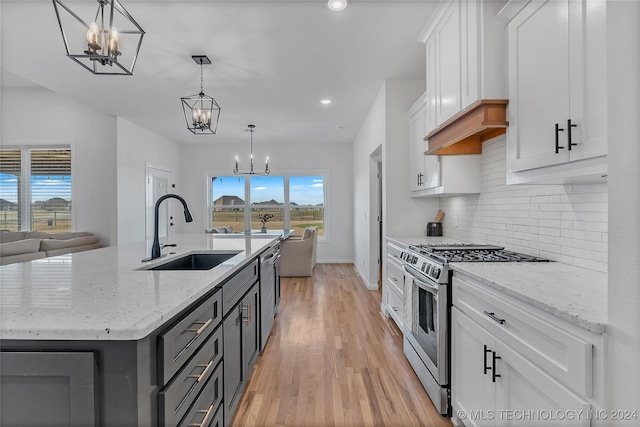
x: 188, y: 367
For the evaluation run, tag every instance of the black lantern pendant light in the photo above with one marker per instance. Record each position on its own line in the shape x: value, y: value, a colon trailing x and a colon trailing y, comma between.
x: 113, y: 38
x: 201, y: 111
x: 251, y: 171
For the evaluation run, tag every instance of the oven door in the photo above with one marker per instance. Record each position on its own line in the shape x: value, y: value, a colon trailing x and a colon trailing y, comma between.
x: 428, y: 325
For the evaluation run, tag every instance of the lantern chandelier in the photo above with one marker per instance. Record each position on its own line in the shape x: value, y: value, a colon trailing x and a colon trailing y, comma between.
x: 201, y: 110
x: 113, y: 38
x: 251, y: 171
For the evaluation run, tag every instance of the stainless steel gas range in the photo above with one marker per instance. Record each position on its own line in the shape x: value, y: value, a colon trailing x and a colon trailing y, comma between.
x: 427, y: 302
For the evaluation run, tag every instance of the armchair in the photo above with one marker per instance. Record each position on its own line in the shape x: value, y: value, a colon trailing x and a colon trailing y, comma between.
x: 298, y: 254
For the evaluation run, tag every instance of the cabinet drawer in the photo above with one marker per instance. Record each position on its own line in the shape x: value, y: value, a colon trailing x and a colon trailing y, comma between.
x: 395, y: 304
x: 207, y: 411
x: 235, y: 288
x: 560, y: 353
x: 395, y: 275
x: 176, y: 398
x: 179, y: 342
x: 394, y: 251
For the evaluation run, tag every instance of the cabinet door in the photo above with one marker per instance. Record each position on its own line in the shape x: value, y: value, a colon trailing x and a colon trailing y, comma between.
x: 430, y: 83
x: 250, y: 329
x: 525, y: 388
x: 472, y: 386
x: 234, y: 375
x: 416, y: 133
x: 538, y: 84
x: 47, y: 389
x: 447, y: 35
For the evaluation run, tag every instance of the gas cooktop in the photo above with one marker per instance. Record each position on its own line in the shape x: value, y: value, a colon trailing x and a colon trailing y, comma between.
x: 470, y: 252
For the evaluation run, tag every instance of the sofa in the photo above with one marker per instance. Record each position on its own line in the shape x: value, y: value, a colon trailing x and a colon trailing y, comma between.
x: 219, y: 230
x: 20, y: 246
x: 298, y: 254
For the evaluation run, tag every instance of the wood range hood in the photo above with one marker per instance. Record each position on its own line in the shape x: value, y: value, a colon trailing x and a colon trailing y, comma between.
x: 465, y: 132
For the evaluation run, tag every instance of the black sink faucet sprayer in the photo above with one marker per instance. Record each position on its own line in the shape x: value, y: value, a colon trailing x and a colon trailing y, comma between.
x: 155, y: 248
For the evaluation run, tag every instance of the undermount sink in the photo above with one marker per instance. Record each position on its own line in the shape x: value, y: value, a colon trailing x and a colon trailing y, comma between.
x: 196, y: 261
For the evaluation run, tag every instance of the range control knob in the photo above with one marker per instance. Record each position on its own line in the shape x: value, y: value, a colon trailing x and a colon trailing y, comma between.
x: 436, y: 272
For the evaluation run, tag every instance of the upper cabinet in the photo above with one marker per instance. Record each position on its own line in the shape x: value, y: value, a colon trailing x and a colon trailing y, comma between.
x: 466, y: 58
x: 424, y: 171
x: 433, y: 175
x: 557, y: 91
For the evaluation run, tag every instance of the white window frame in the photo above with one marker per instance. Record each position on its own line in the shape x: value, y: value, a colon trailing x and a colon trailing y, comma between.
x: 25, y: 170
x: 324, y: 173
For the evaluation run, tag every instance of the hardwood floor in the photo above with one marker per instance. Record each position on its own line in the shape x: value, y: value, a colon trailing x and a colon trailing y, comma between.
x: 333, y: 359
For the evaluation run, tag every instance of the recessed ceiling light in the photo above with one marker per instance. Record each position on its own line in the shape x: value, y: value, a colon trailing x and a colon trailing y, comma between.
x: 326, y: 101
x: 337, y: 5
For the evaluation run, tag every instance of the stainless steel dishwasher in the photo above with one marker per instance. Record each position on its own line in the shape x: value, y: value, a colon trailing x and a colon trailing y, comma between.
x: 269, y: 290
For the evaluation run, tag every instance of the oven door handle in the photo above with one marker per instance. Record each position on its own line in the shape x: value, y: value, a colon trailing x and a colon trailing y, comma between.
x: 424, y: 285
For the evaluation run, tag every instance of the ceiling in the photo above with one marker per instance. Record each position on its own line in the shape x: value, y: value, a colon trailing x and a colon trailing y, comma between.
x: 272, y: 62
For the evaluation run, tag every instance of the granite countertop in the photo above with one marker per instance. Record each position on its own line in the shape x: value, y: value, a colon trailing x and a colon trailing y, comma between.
x: 573, y: 294
x: 421, y: 240
x: 108, y: 293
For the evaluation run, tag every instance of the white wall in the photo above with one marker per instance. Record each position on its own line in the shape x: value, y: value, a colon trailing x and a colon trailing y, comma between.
x: 386, y: 125
x: 197, y: 160
x: 561, y: 222
x: 37, y: 116
x: 138, y: 146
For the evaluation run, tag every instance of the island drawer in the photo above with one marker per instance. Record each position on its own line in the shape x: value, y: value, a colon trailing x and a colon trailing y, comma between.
x: 207, y: 410
x: 177, y: 397
x: 177, y: 344
x: 234, y: 289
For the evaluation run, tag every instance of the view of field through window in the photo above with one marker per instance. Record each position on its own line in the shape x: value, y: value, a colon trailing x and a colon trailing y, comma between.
x: 47, y: 178
x: 266, y: 195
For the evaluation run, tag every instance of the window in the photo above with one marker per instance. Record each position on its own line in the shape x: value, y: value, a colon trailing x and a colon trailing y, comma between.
x: 35, y: 189
x: 295, y: 201
x: 228, y: 202
x: 267, y: 197
x: 306, y: 203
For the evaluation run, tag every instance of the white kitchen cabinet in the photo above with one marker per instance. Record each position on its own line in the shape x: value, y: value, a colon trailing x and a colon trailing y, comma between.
x: 393, y: 283
x: 424, y: 171
x: 465, y: 57
x: 496, y: 386
x: 511, y: 362
x: 433, y: 175
x: 557, y: 89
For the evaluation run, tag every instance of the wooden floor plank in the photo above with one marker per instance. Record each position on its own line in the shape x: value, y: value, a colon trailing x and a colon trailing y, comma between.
x: 333, y: 359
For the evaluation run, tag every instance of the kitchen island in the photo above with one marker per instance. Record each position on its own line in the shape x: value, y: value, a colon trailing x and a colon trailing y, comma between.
x: 97, y: 338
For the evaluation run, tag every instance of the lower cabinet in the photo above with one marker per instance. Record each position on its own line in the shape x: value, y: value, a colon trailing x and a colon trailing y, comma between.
x: 393, y: 283
x: 512, y: 364
x: 241, y: 348
x: 48, y: 389
x: 493, y: 385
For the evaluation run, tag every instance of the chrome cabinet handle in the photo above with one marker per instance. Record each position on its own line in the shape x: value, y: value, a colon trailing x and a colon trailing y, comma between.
x: 201, y: 328
x: 493, y: 317
x: 248, y: 308
x: 205, y: 421
x: 203, y: 374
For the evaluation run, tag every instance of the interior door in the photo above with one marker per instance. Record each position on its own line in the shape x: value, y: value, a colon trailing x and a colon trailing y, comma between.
x: 158, y: 184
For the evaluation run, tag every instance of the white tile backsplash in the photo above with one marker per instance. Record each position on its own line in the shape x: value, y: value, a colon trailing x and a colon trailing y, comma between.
x: 565, y: 223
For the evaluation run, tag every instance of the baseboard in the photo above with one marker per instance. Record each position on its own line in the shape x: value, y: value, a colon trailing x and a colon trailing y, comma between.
x: 334, y: 261
x: 370, y: 286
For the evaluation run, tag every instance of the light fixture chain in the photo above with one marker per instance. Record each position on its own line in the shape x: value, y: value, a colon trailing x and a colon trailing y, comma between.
x: 201, y: 78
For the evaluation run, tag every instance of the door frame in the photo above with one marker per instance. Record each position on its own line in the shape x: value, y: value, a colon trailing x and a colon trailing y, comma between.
x: 152, y: 170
